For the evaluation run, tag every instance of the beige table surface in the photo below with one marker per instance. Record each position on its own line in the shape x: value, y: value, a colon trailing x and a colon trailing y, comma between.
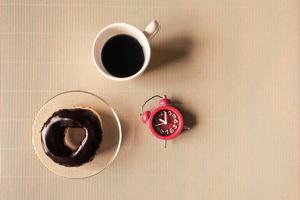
x: 233, y: 65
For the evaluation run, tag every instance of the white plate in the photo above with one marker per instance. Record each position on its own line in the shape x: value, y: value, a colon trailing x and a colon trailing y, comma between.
x: 112, y: 133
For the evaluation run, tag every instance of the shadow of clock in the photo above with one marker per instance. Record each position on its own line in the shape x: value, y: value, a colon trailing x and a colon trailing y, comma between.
x: 190, y: 120
x: 170, y: 51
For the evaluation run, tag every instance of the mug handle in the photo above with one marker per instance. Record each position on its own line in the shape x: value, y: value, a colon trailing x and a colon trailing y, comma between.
x: 152, y: 29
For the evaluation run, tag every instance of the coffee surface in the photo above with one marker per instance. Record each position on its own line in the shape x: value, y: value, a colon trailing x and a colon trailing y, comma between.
x: 122, y: 56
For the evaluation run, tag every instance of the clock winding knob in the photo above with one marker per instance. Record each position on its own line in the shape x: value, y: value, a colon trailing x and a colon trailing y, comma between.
x: 164, y: 101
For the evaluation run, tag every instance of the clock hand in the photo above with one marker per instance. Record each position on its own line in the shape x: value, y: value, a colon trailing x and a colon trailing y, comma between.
x: 162, y: 121
x: 165, y: 117
x: 159, y: 124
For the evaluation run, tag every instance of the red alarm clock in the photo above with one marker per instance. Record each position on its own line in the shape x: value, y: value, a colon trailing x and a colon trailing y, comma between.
x: 165, y: 121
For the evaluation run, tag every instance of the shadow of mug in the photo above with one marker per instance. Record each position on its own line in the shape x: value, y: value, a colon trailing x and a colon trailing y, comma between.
x: 170, y: 51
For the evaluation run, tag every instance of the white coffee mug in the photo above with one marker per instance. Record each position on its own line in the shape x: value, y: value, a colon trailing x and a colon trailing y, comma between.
x: 143, y: 37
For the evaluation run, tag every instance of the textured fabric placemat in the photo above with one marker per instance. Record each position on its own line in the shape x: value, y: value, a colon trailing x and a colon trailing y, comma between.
x: 231, y: 65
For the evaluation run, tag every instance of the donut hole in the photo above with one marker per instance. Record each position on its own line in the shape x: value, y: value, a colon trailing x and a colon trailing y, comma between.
x: 74, y: 137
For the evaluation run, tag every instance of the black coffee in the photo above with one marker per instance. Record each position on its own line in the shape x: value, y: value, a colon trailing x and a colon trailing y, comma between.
x: 122, y: 56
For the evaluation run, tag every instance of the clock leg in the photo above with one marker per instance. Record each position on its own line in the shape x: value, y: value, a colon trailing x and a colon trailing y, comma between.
x: 165, y: 142
x: 186, y: 128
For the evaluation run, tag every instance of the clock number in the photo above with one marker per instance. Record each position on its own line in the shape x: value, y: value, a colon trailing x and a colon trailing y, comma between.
x: 171, y: 130
x: 167, y: 132
x: 160, y: 114
x: 175, y: 126
x: 161, y: 131
x: 170, y: 113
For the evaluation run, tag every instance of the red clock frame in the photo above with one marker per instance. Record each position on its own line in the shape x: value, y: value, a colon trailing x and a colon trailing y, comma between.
x: 167, y: 108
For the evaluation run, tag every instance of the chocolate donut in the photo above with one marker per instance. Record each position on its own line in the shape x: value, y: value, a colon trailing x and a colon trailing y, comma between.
x: 53, y: 136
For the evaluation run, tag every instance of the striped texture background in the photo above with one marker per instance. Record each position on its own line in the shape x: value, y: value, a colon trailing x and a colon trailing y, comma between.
x: 231, y: 65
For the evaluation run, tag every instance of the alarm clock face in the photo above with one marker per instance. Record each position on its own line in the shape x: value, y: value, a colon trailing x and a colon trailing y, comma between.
x: 166, y: 122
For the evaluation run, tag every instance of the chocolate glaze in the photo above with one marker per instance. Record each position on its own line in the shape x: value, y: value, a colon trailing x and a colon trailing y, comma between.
x: 53, y: 133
